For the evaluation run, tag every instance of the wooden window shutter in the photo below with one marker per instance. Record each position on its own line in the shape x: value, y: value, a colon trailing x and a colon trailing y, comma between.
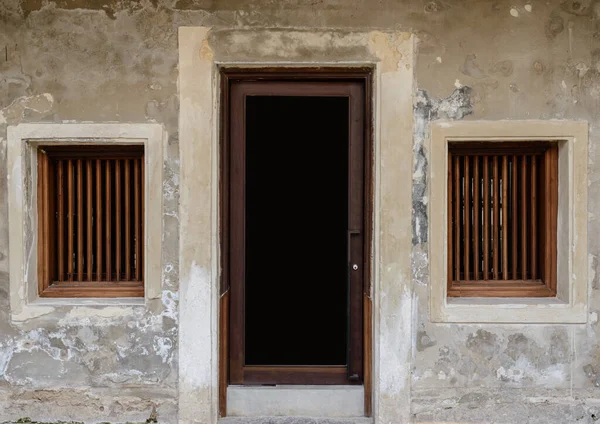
x: 502, y: 217
x: 90, y: 221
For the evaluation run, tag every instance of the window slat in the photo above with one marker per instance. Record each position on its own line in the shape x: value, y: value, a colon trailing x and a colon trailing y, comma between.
x: 524, y: 217
x: 70, y: 223
x: 61, y: 221
x: 476, y: 215
x: 137, y: 223
x: 79, y: 265
x: 99, y: 220
x: 108, y: 225
x: 118, y: 219
x: 89, y: 219
x: 457, y: 223
x: 45, y: 224
x: 533, y: 243
x: 505, y: 218
x: 553, y: 215
x: 467, y: 214
x: 486, y: 217
x: 496, y: 219
x: 515, y: 233
x: 127, y: 221
x: 143, y: 206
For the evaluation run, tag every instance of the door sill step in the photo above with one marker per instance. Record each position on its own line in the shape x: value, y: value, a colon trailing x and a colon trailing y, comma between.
x: 295, y: 420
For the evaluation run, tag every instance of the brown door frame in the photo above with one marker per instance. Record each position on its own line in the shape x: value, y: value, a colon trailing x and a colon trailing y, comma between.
x: 310, y: 82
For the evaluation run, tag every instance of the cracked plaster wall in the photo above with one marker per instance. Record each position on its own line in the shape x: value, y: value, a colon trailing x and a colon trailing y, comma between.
x: 92, y: 60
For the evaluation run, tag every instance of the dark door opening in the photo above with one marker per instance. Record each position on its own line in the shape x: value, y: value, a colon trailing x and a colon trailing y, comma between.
x: 296, y: 230
x: 295, y: 242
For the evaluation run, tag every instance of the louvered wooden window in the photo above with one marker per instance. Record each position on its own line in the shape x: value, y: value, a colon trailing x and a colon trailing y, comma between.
x: 90, y: 221
x: 502, y: 214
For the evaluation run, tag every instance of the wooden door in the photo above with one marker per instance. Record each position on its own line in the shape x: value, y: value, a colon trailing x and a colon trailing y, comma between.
x: 290, y: 227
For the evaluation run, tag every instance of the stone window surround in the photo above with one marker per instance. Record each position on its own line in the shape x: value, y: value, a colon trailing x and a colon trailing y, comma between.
x: 570, y: 304
x: 391, y: 55
x: 23, y: 141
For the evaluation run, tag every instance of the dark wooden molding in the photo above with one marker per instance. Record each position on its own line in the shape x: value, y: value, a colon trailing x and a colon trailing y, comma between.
x: 333, y: 375
x: 223, y: 352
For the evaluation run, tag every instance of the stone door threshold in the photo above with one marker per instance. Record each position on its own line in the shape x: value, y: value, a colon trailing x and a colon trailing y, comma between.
x: 294, y: 420
x: 296, y: 400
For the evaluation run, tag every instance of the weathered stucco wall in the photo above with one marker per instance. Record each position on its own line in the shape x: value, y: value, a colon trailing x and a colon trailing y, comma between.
x: 90, y: 60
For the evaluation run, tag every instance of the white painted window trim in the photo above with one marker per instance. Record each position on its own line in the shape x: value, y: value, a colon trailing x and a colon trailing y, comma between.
x: 570, y: 304
x: 23, y: 140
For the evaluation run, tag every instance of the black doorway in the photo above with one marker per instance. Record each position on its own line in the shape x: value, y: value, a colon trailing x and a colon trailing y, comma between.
x: 296, y: 230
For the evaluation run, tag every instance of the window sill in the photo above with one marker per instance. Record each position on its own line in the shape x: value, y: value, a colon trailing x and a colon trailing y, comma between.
x: 533, y: 310
x: 88, y: 307
x: 506, y: 302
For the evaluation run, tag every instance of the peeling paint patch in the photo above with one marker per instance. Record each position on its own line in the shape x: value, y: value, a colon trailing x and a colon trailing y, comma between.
x: 394, y: 351
x: 196, y: 292
x: 163, y: 347
x: 27, y: 107
x: 100, y: 316
x: 386, y: 46
x: 454, y: 107
x: 170, y: 301
x: 471, y: 68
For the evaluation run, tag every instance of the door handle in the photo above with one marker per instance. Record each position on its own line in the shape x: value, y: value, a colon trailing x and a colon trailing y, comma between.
x: 348, y: 245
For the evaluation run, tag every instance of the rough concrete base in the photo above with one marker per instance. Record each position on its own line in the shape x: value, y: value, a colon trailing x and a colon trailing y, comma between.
x: 294, y: 420
x: 90, y: 406
x: 505, y: 406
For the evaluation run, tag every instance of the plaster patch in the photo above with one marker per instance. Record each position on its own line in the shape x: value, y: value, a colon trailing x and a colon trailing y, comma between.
x: 196, y: 293
x: 29, y: 313
x: 395, y: 353
x: 528, y: 7
x: 206, y: 52
x: 514, y: 375
x: 592, y: 264
x: 386, y: 46
x: 582, y: 69
x: 471, y: 68
x: 6, y: 352
x: 40, y: 104
x: 102, y: 316
x: 514, y: 12
x: 169, y: 300
x: 163, y: 347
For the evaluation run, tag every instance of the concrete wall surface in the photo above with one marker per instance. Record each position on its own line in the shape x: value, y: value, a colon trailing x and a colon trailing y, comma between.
x: 117, y: 61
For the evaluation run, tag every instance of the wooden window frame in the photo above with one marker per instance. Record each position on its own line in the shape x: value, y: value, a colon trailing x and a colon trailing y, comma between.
x: 51, y: 288
x: 545, y: 209
x: 313, y: 375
